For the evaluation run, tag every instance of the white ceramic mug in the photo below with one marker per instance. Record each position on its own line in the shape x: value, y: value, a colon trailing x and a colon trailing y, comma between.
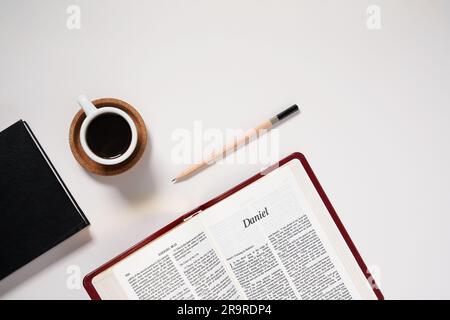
x: 93, y: 112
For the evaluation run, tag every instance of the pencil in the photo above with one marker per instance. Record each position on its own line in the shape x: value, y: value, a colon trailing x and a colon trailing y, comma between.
x: 236, y: 144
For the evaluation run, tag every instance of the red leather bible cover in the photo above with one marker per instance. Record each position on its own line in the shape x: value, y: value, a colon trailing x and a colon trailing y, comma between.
x: 87, y: 281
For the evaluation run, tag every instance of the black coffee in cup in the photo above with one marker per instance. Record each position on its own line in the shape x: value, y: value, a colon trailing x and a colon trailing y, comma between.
x: 108, y: 135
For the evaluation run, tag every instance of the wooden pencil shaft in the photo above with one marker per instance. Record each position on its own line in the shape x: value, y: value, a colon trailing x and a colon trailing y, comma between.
x: 237, y: 143
x: 227, y: 149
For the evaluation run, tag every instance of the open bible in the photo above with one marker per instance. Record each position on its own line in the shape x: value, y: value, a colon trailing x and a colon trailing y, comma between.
x: 275, y: 236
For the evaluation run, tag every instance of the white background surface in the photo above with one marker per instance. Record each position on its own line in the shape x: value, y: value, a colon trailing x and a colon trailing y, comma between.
x: 374, y: 124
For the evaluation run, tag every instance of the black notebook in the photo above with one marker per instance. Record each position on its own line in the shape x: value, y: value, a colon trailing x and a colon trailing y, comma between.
x: 37, y: 210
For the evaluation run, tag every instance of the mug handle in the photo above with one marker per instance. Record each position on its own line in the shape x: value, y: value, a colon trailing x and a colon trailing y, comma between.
x: 86, y: 104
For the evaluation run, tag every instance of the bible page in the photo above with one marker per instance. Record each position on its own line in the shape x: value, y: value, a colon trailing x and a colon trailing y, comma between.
x: 279, y: 241
x: 180, y: 264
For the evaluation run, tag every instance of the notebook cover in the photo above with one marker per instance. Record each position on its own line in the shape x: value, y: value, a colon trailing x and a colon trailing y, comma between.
x: 87, y: 281
x: 36, y: 209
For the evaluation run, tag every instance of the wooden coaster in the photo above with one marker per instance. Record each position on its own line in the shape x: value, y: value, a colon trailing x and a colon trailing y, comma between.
x: 91, y: 165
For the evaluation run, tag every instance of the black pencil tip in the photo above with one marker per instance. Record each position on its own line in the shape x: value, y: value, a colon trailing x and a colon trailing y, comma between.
x: 286, y: 113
